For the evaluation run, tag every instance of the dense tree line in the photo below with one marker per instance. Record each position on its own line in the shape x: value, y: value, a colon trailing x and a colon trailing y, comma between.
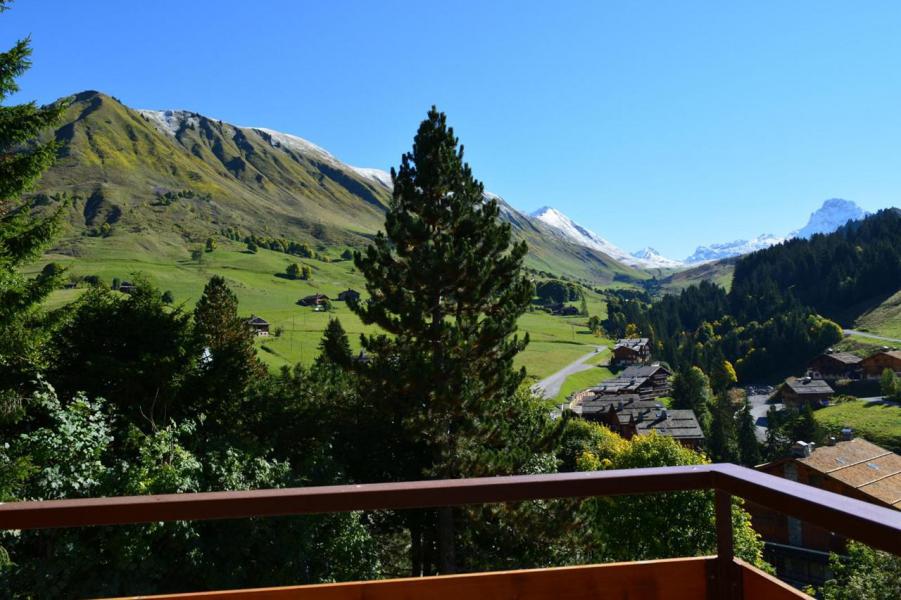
x: 833, y: 275
x: 555, y: 291
x: 283, y: 245
x: 700, y: 327
x: 126, y: 394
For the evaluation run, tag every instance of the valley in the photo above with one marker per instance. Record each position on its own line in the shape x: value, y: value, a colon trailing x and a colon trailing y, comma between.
x: 555, y: 340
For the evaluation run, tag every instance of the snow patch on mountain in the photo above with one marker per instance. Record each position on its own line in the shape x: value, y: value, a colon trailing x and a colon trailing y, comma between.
x: 585, y: 237
x: 379, y: 176
x: 653, y: 258
x: 170, y: 121
x: 731, y: 249
x: 834, y: 213
x: 293, y: 142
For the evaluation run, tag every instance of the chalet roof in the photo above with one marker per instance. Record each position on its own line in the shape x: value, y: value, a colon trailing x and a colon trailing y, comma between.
x: 842, y: 357
x: 862, y: 465
x: 896, y: 354
x: 629, y: 379
x: 643, y: 371
x: 645, y: 416
x: 255, y: 320
x: 808, y: 386
x: 632, y: 343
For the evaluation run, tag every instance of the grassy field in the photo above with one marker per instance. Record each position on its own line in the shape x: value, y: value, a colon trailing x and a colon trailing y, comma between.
x: 883, y: 320
x: 584, y: 379
x: 879, y: 423
x: 555, y: 341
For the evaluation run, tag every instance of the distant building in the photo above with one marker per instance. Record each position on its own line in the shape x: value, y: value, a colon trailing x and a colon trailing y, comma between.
x: 835, y: 365
x: 349, y: 295
x: 796, y: 392
x: 562, y: 309
x: 314, y: 300
x: 629, y: 415
x: 258, y: 325
x: 646, y: 381
x: 874, y: 365
x: 127, y: 287
x: 631, y: 351
x: 853, y: 467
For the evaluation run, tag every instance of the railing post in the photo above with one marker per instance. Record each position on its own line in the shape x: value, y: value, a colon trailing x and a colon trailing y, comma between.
x: 727, y: 576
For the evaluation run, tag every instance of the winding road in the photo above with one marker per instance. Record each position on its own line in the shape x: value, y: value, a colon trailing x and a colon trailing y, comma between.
x: 549, y: 387
x: 870, y: 335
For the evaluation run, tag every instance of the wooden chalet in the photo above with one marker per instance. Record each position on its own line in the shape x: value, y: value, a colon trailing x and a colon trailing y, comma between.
x: 855, y: 468
x: 127, y: 287
x: 631, y: 351
x: 805, y: 390
x: 835, y: 365
x: 629, y: 416
x: 258, y: 325
x: 313, y: 300
x: 874, y: 365
x: 646, y: 381
x: 349, y: 295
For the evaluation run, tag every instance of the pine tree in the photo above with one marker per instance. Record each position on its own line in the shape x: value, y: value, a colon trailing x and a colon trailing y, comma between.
x: 748, y: 447
x: 23, y: 236
x: 230, y: 357
x: 445, y: 282
x: 334, y: 347
x: 691, y: 391
x: 722, y: 442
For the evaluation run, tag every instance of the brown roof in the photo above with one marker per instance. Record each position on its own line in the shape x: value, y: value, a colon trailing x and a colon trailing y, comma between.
x: 862, y: 465
x: 844, y: 357
x: 808, y: 386
x: 892, y: 353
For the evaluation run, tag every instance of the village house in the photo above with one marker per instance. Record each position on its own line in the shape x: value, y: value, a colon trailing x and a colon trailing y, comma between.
x: 852, y: 467
x: 313, y: 300
x: 874, y: 365
x: 258, y: 325
x: 631, y: 351
x: 646, y: 381
x: 349, y: 295
x: 796, y: 392
x: 629, y: 415
x: 835, y: 365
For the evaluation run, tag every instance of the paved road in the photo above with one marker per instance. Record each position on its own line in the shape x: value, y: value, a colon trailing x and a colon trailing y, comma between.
x: 870, y: 335
x: 549, y: 387
x: 759, y: 408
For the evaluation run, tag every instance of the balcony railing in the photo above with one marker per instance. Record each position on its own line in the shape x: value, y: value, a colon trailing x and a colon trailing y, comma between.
x: 721, y: 576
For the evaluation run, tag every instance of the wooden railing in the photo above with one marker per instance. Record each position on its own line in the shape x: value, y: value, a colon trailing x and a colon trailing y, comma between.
x: 727, y: 578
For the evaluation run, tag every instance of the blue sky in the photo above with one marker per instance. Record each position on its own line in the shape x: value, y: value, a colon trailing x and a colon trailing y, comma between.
x: 668, y: 124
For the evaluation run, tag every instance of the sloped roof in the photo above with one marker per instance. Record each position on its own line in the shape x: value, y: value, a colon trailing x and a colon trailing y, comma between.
x: 843, y: 357
x: 808, y: 386
x: 645, y: 415
x: 892, y: 353
x: 631, y: 343
x: 862, y: 465
x: 255, y: 320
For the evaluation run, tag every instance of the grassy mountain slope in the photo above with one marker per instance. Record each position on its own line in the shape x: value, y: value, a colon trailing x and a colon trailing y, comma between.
x: 161, y: 183
x: 555, y: 341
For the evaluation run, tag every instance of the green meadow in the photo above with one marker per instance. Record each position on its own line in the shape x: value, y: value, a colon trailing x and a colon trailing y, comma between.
x: 254, y: 277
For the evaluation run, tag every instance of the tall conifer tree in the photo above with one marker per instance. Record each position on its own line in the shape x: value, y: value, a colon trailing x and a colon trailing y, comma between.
x: 445, y: 282
x: 22, y: 235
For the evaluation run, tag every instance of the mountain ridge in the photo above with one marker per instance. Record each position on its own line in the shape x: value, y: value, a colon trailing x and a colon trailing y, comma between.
x: 174, y: 177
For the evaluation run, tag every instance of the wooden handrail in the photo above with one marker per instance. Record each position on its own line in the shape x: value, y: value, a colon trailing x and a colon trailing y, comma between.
x: 874, y: 525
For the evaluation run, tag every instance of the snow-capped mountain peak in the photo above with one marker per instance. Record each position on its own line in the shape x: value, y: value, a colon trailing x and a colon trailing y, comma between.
x: 585, y: 237
x: 834, y: 213
x: 653, y: 258
x: 730, y: 249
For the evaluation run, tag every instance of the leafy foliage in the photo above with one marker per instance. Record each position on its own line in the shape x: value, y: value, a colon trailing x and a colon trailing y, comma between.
x: 866, y: 574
